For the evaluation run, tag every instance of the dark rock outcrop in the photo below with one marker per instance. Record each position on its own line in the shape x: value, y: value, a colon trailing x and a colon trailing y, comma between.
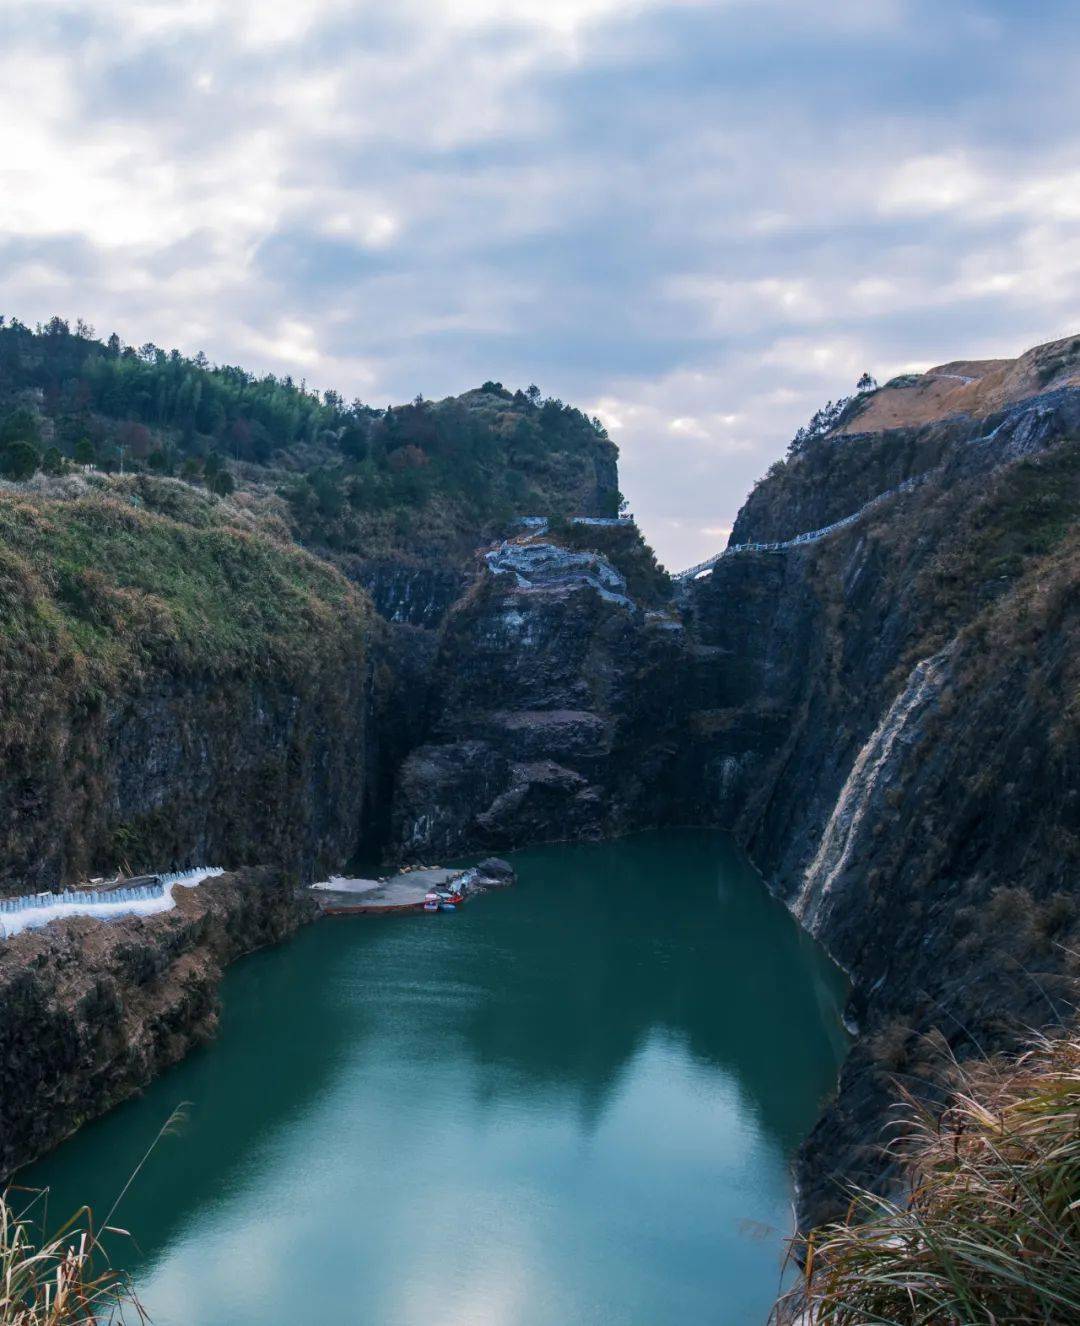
x: 90, y: 1013
x: 842, y: 472
x: 889, y: 744
x: 544, y: 699
x: 414, y: 593
x: 495, y: 872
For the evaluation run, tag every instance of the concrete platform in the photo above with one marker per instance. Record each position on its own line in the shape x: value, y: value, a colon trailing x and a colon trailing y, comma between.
x: 403, y: 892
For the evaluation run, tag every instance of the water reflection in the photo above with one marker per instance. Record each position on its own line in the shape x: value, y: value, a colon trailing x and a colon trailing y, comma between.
x: 571, y: 1102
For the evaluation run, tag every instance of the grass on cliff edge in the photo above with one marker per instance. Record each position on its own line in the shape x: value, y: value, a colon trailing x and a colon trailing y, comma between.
x: 990, y: 1231
x: 95, y: 591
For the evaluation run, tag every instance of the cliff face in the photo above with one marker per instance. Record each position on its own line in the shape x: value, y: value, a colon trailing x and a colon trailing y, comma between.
x: 91, y: 1013
x: 897, y: 743
x: 174, y: 689
x: 414, y: 593
x: 885, y: 717
x: 542, y: 707
x: 832, y: 478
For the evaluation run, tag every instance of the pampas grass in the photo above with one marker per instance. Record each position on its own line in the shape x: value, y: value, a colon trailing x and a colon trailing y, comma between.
x: 990, y: 1229
x: 55, y: 1281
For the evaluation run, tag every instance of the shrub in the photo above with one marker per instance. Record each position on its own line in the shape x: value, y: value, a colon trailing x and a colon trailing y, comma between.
x: 990, y: 1229
x: 21, y: 425
x: 18, y: 461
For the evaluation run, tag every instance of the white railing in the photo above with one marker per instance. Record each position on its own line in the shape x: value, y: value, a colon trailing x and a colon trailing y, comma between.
x: 81, y: 897
x: 810, y: 537
x: 541, y: 523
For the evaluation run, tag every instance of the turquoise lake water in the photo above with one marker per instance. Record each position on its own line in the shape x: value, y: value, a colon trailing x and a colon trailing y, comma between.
x: 574, y: 1101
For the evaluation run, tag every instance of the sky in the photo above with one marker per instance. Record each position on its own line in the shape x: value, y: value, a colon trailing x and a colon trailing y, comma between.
x: 698, y: 221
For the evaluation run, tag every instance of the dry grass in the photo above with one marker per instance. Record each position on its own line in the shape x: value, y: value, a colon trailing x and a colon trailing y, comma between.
x: 994, y: 384
x: 55, y: 1283
x: 990, y: 1229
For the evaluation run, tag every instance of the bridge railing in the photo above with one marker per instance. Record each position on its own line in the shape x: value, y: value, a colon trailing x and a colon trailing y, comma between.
x: 811, y: 536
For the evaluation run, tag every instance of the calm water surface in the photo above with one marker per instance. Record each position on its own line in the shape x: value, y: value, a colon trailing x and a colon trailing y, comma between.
x: 575, y: 1101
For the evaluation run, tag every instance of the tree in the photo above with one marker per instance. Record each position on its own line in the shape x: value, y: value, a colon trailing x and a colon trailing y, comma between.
x: 866, y: 383
x: 353, y: 442
x: 408, y: 457
x: 18, y: 461
x: 135, y: 439
x: 85, y: 451
x: 240, y: 439
x: 823, y: 422
x: 53, y: 461
x: 21, y: 425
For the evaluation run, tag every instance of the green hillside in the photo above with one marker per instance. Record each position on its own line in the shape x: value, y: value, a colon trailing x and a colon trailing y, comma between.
x: 425, y: 476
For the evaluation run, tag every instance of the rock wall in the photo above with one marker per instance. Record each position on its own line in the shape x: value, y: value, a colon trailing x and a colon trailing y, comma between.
x: 90, y: 1013
x: 188, y: 769
x: 543, y: 709
x: 175, y: 690
x: 893, y: 743
x: 414, y: 593
x: 840, y: 473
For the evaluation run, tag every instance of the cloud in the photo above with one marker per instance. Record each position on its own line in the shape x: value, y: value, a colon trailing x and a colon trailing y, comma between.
x: 699, y: 219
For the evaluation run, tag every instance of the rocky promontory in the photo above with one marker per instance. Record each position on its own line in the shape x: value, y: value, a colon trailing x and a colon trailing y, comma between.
x: 91, y: 1012
x: 538, y: 730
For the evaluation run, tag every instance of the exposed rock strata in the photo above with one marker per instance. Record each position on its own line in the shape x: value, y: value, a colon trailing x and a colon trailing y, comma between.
x: 882, y: 718
x: 541, y: 727
x: 413, y: 593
